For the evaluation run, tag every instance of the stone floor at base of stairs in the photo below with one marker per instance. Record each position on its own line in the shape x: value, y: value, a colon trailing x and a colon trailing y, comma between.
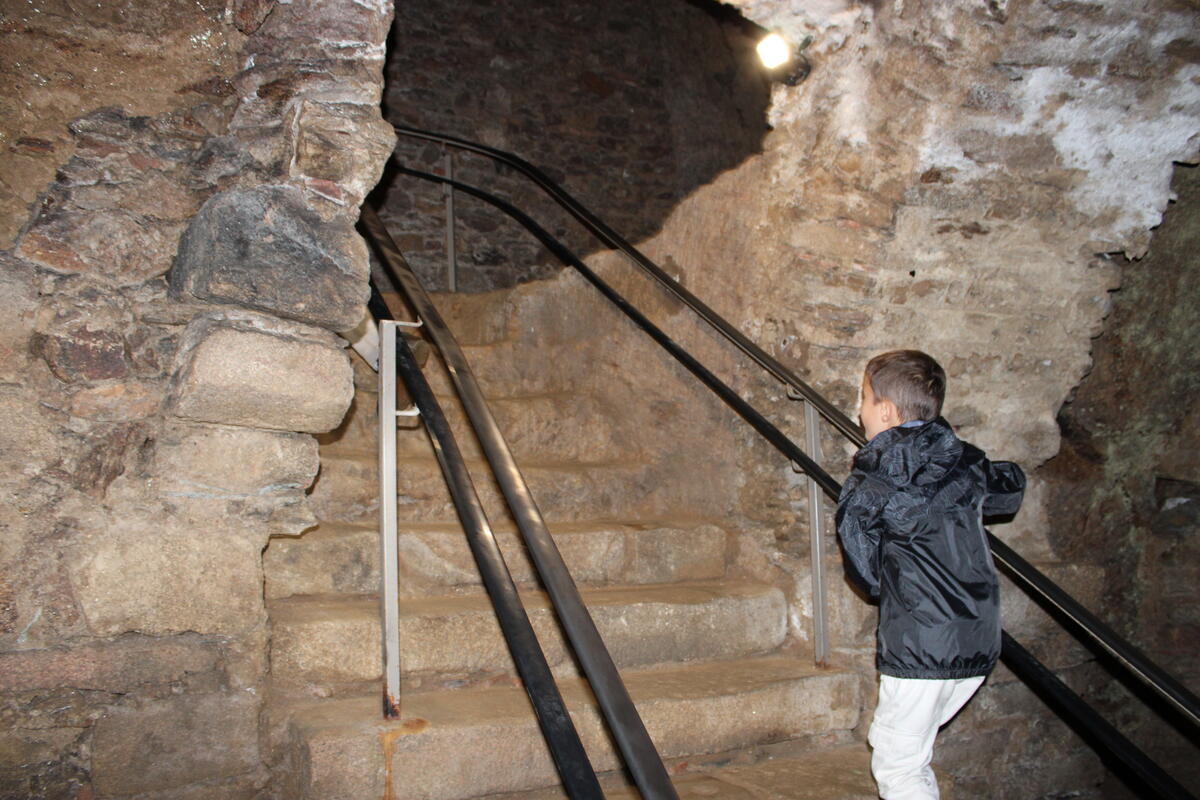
x: 346, y: 751
x: 826, y: 767
x: 840, y: 773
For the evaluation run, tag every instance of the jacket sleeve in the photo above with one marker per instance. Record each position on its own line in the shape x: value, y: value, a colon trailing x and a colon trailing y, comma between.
x: 859, y: 526
x: 1005, y: 488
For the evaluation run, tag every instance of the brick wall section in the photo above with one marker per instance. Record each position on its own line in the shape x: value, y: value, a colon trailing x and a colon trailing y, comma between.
x: 630, y: 105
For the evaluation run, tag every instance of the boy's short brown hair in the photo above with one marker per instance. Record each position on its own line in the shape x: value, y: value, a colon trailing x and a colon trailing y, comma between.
x: 910, y: 379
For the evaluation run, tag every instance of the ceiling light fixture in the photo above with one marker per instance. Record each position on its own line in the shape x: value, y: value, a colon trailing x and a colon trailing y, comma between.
x: 774, y: 51
x: 776, y: 55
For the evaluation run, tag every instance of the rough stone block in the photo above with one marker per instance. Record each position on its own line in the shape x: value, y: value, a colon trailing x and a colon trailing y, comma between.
x: 82, y: 336
x: 124, y: 401
x: 113, y: 244
x: 261, y: 372
x: 170, y: 743
x: 354, y: 33
x: 248, y: 15
x: 158, y: 576
x: 25, y: 429
x: 264, y: 248
x: 218, y: 461
x: 118, y: 666
x: 340, y: 149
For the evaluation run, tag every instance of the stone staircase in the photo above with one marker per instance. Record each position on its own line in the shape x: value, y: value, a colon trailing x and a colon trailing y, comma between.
x: 736, y: 711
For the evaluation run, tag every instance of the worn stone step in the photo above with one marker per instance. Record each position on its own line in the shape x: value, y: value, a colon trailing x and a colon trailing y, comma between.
x: 476, y: 317
x: 467, y: 743
x: 343, y: 558
x: 347, y: 490
x: 835, y: 773
x: 558, y: 427
x: 327, y: 642
x: 516, y: 368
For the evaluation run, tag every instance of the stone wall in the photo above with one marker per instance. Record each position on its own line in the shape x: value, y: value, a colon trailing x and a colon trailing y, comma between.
x: 630, y: 105
x: 60, y: 59
x: 1126, y: 482
x: 156, y: 432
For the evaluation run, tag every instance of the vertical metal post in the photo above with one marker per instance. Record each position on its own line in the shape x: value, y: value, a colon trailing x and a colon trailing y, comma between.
x: 389, y: 543
x: 448, y: 193
x: 816, y: 528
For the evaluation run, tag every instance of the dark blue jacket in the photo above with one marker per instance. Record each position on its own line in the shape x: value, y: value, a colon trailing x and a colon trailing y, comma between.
x: 910, y: 520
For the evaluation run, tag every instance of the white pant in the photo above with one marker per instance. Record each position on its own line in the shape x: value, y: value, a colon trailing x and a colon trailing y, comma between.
x: 908, y: 716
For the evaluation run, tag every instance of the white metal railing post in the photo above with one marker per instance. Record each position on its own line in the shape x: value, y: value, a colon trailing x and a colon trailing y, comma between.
x: 816, y: 527
x: 448, y: 193
x: 389, y: 544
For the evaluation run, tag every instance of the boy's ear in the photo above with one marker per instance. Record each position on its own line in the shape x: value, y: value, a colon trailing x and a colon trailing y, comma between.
x: 889, y: 413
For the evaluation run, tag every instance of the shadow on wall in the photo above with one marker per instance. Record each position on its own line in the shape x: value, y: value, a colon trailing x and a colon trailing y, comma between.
x: 631, y: 106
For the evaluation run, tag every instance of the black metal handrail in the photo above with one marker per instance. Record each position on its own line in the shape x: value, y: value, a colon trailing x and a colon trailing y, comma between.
x: 566, y: 749
x: 1019, y: 570
x: 626, y: 726
x: 1070, y: 704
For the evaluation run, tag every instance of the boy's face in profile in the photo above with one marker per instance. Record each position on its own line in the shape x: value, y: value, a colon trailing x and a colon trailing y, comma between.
x: 876, y: 414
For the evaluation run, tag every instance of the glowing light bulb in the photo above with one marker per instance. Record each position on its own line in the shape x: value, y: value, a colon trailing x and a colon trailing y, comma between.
x: 773, y: 51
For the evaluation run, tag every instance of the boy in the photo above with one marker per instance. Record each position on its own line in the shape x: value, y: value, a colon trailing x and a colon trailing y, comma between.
x: 910, y: 522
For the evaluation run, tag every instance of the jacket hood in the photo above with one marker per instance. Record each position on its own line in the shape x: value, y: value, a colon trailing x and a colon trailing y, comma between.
x: 919, y: 455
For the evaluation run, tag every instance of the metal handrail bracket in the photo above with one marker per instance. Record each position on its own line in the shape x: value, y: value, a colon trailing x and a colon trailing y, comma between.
x: 816, y: 534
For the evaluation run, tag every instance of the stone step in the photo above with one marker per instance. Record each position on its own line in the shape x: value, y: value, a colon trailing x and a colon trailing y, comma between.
x: 347, y: 490
x: 836, y: 773
x: 514, y: 368
x: 557, y: 428
x: 477, y: 317
x: 343, y: 558
x: 472, y: 742
x: 329, y: 642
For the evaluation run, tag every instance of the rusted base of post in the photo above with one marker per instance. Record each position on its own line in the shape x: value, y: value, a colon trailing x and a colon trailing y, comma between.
x: 391, y: 707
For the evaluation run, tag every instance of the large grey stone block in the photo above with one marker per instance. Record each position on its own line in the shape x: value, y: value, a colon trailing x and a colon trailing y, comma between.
x: 264, y: 248
x: 256, y: 371
x: 165, y: 744
x: 120, y: 666
x: 160, y: 575
x: 217, y: 461
x: 339, y: 149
